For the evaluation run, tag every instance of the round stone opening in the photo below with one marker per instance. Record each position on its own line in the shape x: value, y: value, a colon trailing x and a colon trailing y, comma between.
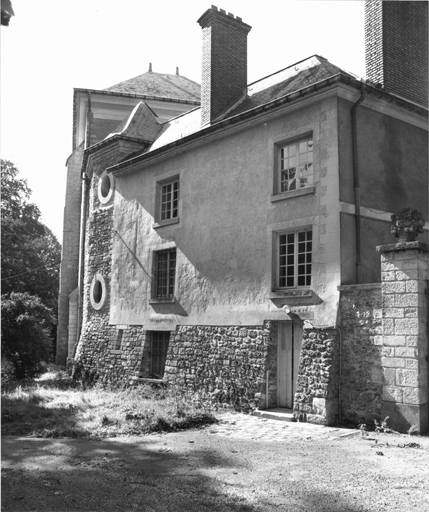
x: 105, y: 188
x: 98, y: 292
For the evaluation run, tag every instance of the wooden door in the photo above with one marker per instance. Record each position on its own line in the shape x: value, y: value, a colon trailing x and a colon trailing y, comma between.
x: 289, y: 350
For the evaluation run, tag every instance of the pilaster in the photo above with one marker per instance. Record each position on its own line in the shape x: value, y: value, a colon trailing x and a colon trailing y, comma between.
x: 404, y: 275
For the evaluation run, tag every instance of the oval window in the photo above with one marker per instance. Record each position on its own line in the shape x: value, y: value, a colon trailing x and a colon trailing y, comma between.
x: 98, y: 292
x: 105, y: 187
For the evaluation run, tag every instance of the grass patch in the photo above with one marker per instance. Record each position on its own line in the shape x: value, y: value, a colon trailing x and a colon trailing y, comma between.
x: 55, y: 406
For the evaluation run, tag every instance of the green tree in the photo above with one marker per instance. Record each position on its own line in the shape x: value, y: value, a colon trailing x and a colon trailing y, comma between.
x: 25, y: 334
x: 30, y: 253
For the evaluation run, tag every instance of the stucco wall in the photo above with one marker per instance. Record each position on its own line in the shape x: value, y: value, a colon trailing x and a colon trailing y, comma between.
x: 392, y: 160
x: 226, y: 227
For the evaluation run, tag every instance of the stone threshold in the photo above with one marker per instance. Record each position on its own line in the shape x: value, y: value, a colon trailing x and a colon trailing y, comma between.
x: 278, y: 413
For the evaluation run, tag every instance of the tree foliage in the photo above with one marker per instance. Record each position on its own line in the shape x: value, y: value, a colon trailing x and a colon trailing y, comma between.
x: 25, y: 334
x: 30, y: 253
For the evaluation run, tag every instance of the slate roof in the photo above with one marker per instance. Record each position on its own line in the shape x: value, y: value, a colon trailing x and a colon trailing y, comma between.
x: 160, y: 85
x: 288, y: 80
x: 279, y: 84
x: 285, y: 82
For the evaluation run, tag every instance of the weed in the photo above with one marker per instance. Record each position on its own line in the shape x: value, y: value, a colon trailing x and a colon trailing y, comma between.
x: 66, y: 410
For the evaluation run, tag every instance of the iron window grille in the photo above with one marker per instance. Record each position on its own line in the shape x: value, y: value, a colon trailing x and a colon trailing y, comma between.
x: 294, y: 259
x: 165, y: 273
x: 296, y: 165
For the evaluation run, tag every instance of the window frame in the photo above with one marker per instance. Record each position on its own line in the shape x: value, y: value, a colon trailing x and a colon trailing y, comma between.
x: 162, y: 338
x: 174, y: 210
x: 308, y: 276
x: 278, y: 193
x: 170, y: 287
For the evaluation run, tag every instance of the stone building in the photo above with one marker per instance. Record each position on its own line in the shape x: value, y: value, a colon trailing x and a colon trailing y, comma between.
x: 232, y: 248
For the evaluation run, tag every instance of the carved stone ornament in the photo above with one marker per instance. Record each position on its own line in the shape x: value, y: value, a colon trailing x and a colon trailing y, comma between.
x: 407, y: 224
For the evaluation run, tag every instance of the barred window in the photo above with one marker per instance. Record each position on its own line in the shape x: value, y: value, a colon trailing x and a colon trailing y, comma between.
x: 294, y: 259
x: 159, y: 348
x: 165, y: 273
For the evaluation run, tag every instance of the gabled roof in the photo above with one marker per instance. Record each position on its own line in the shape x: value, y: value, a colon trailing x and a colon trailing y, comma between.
x: 161, y: 85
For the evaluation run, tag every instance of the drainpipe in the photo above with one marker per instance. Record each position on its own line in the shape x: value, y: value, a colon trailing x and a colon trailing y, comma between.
x: 357, y: 186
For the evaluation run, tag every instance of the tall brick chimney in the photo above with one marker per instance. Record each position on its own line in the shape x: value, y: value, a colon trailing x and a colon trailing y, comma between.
x: 224, y: 68
x: 396, y: 47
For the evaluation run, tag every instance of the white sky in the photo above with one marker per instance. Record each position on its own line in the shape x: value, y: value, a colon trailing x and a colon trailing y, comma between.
x: 50, y: 47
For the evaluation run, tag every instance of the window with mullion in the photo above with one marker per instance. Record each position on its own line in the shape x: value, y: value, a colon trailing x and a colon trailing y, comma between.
x: 169, y: 200
x: 294, y: 259
x: 296, y: 165
x: 165, y: 273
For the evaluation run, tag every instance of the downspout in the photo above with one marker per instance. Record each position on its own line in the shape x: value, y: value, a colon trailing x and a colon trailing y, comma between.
x: 357, y: 186
x: 83, y: 218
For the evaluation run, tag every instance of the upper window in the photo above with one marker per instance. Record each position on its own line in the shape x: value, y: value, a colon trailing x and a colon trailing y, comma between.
x: 295, y: 166
x: 106, y: 186
x: 164, y: 274
x: 169, y: 200
x: 294, y: 259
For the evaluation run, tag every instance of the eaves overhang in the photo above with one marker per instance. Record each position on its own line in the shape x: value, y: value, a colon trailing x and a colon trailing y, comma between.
x: 139, y: 96
x: 88, y: 92
x: 130, y: 166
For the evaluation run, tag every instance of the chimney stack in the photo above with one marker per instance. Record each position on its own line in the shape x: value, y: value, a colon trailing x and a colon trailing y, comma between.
x: 396, y: 47
x: 224, y: 67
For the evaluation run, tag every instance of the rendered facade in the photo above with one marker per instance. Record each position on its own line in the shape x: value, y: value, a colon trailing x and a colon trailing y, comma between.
x: 232, y: 248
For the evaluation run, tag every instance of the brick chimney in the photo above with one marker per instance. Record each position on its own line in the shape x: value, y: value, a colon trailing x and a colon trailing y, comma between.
x: 224, y: 68
x: 396, y: 47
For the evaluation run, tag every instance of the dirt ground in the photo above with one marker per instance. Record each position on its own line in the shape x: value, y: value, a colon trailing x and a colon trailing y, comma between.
x: 219, y: 469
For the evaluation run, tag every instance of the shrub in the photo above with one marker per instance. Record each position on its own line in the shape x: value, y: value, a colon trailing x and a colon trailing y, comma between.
x: 25, y: 333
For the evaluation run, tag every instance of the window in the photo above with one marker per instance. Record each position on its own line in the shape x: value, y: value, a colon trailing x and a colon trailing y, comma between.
x: 295, y: 166
x: 118, y: 340
x: 159, y: 348
x: 97, y: 291
x: 164, y: 273
x: 105, y: 187
x: 169, y: 200
x: 294, y: 259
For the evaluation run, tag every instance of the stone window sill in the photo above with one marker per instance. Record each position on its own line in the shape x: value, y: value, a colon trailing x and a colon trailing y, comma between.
x: 153, y: 381
x: 168, y: 222
x: 292, y: 193
x: 295, y: 297
x: 164, y: 300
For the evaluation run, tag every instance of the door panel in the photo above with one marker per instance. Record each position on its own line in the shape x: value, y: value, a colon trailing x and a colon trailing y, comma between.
x: 289, y: 350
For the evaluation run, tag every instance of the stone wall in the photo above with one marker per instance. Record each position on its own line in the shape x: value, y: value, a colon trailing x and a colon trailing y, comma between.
x: 98, y: 352
x: 361, y: 372
x: 316, y: 396
x: 229, y: 363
